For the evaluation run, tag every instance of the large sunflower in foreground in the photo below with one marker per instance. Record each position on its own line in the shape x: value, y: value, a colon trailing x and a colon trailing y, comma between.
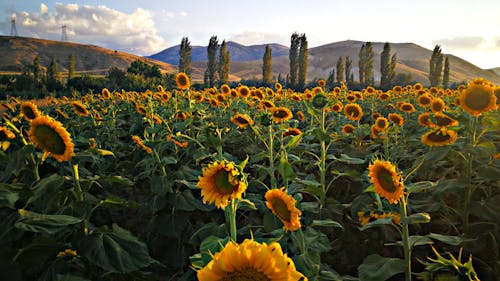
x: 386, y: 179
x: 221, y: 182
x: 29, y: 110
x: 283, y: 206
x: 182, y: 81
x: 50, y: 136
x: 250, y: 260
x: 478, y: 98
x: 439, y: 137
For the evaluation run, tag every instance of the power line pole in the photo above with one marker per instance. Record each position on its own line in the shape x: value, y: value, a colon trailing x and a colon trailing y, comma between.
x: 13, y: 29
x: 64, y: 36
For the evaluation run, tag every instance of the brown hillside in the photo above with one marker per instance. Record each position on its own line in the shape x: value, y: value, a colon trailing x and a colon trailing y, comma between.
x: 19, y: 52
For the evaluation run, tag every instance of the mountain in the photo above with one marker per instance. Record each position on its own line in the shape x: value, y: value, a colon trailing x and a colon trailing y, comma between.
x: 496, y: 70
x: 19, y: 52
x: 237, y: 52
x: 412, y: 59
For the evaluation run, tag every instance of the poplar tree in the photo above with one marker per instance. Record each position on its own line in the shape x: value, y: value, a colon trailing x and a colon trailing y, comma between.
x: 293, y: 55
x: 446, y: 73
x: 224, y: 63
x: 340, y: 70
x: 330, y: 81
x: 71, y: 66
x: 212, y: 60
x: 185, y: 56
x: 267, y: 66
x: 385, y: 66
x: 37, y: 75
x: 368, y: 67
x: 53, y: 73
x: 361, y: 64
x: 349, y: 77
x: 436, y: 66
x: 303, y: 61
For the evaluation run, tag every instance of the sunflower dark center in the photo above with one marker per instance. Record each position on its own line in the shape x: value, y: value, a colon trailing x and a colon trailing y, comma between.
x: 353, y: 111
x: 246, y: 274
x: 280, y: 114
x: 222, y: 184
x: 280, y: 209
x: 443, y: 121
x: 425, y: 100
x: 381, y: 123
x: 50, y: 140
x: 437, y: 106
x: 385, y: 179
x: 478, y: 99
x: 80, y: 109
x: 28, y: 111
x: 241, y: 120
x: 183, y: 80
x: 438, y: 137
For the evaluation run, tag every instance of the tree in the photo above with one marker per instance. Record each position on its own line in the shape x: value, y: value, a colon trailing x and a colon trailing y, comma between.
x: 267, y: 66
x: 71, y: 66
x: 385, y: 61
x: 435, y: 66
x: 368, y: 67
x: 140, y: 67
x: 340, y: 70
x: 361, y: 64
x: 349, y: 77
x: 446, y: 73
x: 224, y: 63
x: 330, y: 81
x: 212, y: 63
x: 293, y: 56
x: 392, y: 68
x: 37, y: 71
x: 53, y: 73
x: 303, y: 61
x: 185, y: 56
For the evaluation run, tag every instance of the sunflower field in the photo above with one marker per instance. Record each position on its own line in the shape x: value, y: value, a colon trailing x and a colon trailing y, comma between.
x: 250, y: 183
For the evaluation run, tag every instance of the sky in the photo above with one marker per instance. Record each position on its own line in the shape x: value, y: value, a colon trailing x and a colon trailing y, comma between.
x: 465, y: 28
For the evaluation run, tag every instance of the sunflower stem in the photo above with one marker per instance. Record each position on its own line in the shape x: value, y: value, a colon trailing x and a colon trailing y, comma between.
x: 35, y: 167
x: 322, y: 167
x: 406, y: 242
x: 76, y: 179
x: 157, y: 157
x: 302, y: 242
x: 271, y: 157
x: 231, y: 213
x: 468, y: 175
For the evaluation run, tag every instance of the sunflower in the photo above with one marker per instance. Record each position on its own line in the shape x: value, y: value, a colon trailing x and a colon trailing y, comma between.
x: 351, y: 98
x: 384, y: 96
x: 406, y: 107
x: 50, y: 136
x: 244, y: 91
x: 250, y: 260
x: 225, y: 89
x: 182, y: 81
x: 301, y: 116
x: 347, y: 129
x: 478, y: 98
x: 296, y: 97
x: 105, y: 93
x: 281, y: 114
x: 321, y: 82
x: 337, y: 107
x: 366, y: 217
x: 386, y: 179
x: 424, y: 100
x: 29, y: 110
x: 79, y: 108
x: 283, y: 206
x: 395, y: 118
x: 439, y: 137
x: 141, y: 145
x: 353, y: 111
x: 278, y: 87
x: 437, y: 105
x: 242, y: 120
x: 417, y: 87
x: 424, y: 120
x: 292, y: 132
x: 381, y: 123
x: 221, y: 182
x: 267, y: 104
x: 6, y: 133
x: 319, y: 101
x: 496, y: 91
x: 443, y: 120
x: 377, y: 132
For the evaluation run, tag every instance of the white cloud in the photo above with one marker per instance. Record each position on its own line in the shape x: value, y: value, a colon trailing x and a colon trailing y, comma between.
x: 43, y: 8
x: 182, y: 13
x: 96, y: 25
x: 256, y: 37
x: 462, y: 42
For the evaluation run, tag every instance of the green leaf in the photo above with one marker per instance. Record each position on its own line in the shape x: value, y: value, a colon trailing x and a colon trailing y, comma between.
x: 115, y: 251
x: 246, y: 204
x: 161, y: 185
x: 184, y: 200
x: 42, y: 223
x: 376, y: 223
x: 45, y: 187
x: 448, y: 239
x: 320, y: 134
x: 69, y: 277
x: 294, y: 141
x: 378, y: 268
x: 8, y: 198
x: 285, y: 170
x: 308, y: 264
x: 416, y: 218
x: 104, y: 152
x: 210, y: 246
x: 414, y: 240
x: 119, y: 202
x: 350, y: 160
x: 421, y: 186
x: 117, y: 180
x: 328, y: 222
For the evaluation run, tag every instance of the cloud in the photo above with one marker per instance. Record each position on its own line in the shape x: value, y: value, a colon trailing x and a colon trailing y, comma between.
x: 96, y: 25
x: 462, y: 42
x: 43, y: 8
x: 256, y: 37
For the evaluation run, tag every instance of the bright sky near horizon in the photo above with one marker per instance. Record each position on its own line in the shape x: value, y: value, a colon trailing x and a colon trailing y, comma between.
x: 465, y: 28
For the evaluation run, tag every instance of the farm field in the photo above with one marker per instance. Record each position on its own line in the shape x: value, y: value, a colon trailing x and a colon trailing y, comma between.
x: 184, y: 184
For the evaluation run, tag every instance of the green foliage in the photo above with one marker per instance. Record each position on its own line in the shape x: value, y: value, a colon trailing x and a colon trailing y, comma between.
x: 303, y: 62
x: 446, y: 73
x: 211, y: 71
x: 436, y: 66
x: 267, y: 66
x: 340, y: 70
x: 185, y: 56
x: 293, y: 57
x: 224, y: 63
x: 387, y: 67
x: 147, y: 70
